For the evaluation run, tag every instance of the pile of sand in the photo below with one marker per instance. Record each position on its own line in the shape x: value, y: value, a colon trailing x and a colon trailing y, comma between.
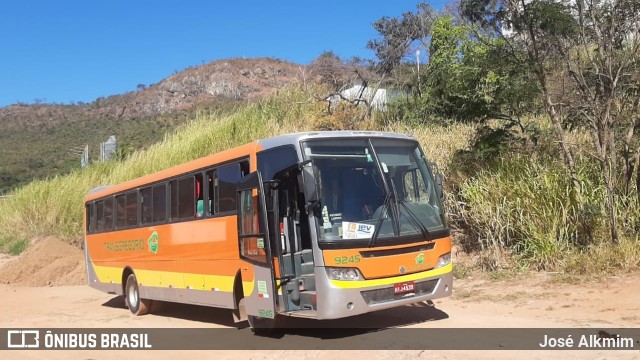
x: 47, y: 262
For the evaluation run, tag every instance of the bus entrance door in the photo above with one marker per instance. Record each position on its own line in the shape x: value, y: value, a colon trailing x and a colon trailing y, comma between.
x: 253, y: 236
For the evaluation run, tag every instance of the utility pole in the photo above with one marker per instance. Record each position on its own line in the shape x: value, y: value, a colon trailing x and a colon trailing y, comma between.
x: 418, y: 65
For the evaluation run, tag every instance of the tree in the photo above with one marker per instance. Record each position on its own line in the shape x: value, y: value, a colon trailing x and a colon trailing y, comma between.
x: 531, y: 30
x: 468, y: 78
x: 399, y: 34
x: 597, y: 43
x: 336, y: 75
x: 603, y: 62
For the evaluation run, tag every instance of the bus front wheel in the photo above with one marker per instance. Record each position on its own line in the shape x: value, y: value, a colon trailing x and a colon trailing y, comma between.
x: 136, y: 305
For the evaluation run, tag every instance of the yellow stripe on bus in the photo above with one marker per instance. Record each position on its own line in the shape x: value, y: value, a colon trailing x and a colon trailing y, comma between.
x: 347, y: 284
x: 155, y: 278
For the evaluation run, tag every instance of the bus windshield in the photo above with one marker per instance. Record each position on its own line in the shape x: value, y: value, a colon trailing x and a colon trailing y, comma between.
x: 373, y: 189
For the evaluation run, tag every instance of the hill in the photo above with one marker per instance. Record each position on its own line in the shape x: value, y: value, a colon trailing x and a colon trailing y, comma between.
x: 39, y: 140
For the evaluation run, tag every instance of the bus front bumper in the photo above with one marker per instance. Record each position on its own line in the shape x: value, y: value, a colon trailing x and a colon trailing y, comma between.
x: 348, y: 298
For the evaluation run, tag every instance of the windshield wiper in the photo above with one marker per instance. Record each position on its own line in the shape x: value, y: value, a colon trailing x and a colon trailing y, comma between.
x: 376, y: 231
x: 415, y: 220
x: 396, y: 209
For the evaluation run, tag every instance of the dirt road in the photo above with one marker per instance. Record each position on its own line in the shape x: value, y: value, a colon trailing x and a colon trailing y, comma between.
x: 536, y: 301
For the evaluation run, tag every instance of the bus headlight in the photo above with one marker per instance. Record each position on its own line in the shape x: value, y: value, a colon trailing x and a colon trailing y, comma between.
x: 443, y: 260
x: 343, y: 274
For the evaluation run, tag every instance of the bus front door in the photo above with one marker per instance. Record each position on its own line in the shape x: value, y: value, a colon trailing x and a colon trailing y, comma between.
x: 255, y: 249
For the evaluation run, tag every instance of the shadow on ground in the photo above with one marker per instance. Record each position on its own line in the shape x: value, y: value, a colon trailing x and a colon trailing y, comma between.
x: 299, y: 327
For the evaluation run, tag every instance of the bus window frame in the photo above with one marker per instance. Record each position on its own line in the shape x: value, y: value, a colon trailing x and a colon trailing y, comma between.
x: 208, y: 214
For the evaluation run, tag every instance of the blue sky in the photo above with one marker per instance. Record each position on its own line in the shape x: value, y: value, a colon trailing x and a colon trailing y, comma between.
x: 63, y: 51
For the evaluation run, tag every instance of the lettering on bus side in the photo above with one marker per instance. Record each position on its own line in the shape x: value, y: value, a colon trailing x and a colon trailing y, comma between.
x: 125, y: 245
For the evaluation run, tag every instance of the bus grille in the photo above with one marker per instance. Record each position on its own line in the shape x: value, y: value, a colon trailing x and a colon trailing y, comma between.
x: 386, y: 294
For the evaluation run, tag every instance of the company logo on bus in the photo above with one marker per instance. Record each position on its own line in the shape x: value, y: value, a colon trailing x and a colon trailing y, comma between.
x: 153, y: 242
x: 420, y: 259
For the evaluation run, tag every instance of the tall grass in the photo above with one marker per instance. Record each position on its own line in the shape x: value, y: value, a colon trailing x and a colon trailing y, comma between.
x: 525, y: 212
x: 54, y: 206
x: 520, y: 211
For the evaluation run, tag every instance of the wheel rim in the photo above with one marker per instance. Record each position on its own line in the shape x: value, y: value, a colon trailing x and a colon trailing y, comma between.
x: 133, y: 296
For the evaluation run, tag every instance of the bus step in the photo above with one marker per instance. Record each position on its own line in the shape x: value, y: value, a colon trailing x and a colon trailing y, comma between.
x: 307, y: 282
x: 310, y: 314
x: 308, y: 300
x: 307, y: 268
x: 307, y: 255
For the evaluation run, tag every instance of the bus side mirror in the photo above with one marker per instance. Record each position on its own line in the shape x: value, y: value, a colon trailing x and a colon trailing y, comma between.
x: 439, y: 187
x: 309, y: 181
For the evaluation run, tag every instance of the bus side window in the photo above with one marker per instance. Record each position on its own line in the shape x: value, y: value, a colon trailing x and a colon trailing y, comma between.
x: 211, y: 186
x: 159, y: 203
x: 228, y: 177
x: 91, y: 218
x: 121, y: 211
x: 147, y: 205
x: 173, y: 199
x: 244, y: 168
x: 182, y: 198
x: 99, y: 216
x: 108, y: 214
x: 132, y: 208
x: 199, y: 196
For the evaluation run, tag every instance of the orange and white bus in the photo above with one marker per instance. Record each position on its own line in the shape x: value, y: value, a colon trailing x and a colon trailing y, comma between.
x: 319, y: 225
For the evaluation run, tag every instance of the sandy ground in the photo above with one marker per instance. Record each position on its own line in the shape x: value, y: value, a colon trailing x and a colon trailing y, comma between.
x: 532, y: 301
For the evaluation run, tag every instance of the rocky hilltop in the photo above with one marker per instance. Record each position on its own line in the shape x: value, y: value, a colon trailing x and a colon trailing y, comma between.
x: 40, y: 140
x: 230, y: 79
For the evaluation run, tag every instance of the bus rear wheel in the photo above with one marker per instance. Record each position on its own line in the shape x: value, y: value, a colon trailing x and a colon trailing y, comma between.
x: 264, y: 326
x: 136, y: 305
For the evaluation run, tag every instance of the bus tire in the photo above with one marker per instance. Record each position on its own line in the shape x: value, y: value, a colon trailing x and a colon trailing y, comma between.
x: 263, y: 326
x: 132, y: 299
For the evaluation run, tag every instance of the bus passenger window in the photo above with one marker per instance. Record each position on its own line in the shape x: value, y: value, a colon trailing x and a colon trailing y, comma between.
x: 91, y: 217
x: 108, y: 214
x: 100, y: 216
x: 132, y: 209
x: 147, y: 205
x: 186, y: 198
x: 244, y: 168
x: 228, y: 177
x: 121, y: 210
x: 173, y: 195
x: 159, y: 203
x: 211, y: 180
x: 199, y: 196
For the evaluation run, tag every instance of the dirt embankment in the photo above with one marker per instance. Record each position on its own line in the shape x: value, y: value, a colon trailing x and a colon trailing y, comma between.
x: 47, y: 262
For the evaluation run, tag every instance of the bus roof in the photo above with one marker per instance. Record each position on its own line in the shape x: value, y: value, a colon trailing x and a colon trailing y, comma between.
x: 295, y: 138
x: 235, y: 153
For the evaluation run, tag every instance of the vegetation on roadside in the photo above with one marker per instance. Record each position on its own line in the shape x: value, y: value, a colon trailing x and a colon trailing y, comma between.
x: 53, y: 147
x: 54, y: 206
x: 537, y: 176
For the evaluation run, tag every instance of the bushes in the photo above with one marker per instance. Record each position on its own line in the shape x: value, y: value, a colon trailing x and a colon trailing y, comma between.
x: 527, y: 205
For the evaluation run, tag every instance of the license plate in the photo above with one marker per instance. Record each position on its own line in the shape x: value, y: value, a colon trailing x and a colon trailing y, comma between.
x: 404, y: 287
